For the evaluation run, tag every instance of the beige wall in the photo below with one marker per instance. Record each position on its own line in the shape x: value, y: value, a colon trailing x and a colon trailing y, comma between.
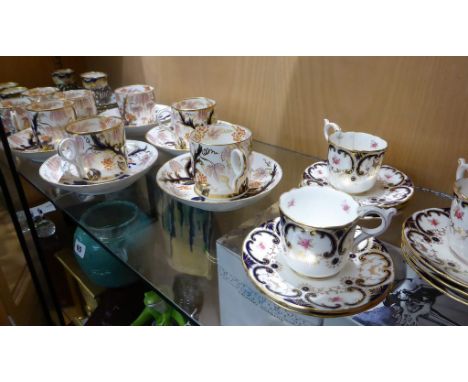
x: 420, y: 105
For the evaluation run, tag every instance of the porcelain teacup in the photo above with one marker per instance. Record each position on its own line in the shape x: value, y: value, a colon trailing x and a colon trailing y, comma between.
x: 14, y: 115
x: 318, y: 229
x: 48, y: 120
x: 458, y: 229
x: 83, y: 102
x: 12, y: 92
x: 220, y: 160
x: 42, y: 94
x: 188, y: 114
x: 64, y: 79
x: 354, y: 159
x: 136, y: 104
x: 96, y: 148
x: 97, y: 83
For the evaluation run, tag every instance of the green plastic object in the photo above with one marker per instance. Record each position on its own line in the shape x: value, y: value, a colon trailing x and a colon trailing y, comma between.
x: 116, y: 224
x: 157, y: 311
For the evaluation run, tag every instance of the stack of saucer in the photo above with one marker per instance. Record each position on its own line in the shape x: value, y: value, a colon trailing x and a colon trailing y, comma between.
x: 435, y: 243
x: 313, y: 259
x: 221, y: 172
x: 354, y: 166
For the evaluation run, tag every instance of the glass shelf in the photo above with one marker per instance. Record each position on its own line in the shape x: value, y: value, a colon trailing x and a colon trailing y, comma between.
x: 174, y: 249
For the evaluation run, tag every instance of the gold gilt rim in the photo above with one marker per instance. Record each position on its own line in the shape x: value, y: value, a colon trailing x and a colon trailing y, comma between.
x: 98, y: 117
x: 429, y: 280
x: 192, y: 109
x: 418, y: 256
x: 119, y: 90
x: 65, y: 103
x: 85, y: 92
x: 2, y: 107
x: 248, y: 137
x: 314, y: 311
x: 34, y: 92
x: 13, y: 90
x: 153, y: 142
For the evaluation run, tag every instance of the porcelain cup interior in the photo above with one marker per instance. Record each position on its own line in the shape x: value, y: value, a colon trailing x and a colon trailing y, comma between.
x: 94, y: 80
x: 458, y: 230
x: 14, y: 114
x: 96, y: 148
x: 318, y: 229
x: 354, y: 159
x: 189, y: 114
x: 83, y: 102
x: 137, y: 104
x: 221, y: 155
x: 12, y: 92
x: 48, y: 120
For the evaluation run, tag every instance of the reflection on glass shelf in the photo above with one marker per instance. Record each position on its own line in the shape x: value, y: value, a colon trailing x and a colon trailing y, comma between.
x: 174, y: 246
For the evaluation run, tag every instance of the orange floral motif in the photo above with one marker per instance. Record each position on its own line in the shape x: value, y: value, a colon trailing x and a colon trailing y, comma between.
x: 238, y: 134
x: 108, y: 163
x: 201, y: 178
x: 200, y: 132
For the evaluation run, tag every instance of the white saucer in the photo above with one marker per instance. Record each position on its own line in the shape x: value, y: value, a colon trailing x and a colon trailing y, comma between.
x: 165, y: 140
x: 23, y: 145
x: 433, y: 279
x: 364, y: 281
x: 173, y: 178
x: 392, y: 189
x: 141, y: 156
x: 139, y: 130
x: 425, y: 235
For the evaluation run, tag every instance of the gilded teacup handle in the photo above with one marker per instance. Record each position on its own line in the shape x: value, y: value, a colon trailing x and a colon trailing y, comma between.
x: 462, y: 167
x: 385, y: 214
x: 238, y: 166
x: 327, y: 125
x: 68, y: 151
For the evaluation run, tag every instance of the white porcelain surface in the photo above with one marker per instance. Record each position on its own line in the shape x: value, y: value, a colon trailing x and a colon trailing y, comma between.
x: 83, y: 102
x: 23, y: 145
x: 48, y: 121
x: 174, y: 179
x: 136, y: 104
x: 14, y: 114
x: 425, y: 233
x: 141, y: 157
x: 318, y: 226
x: 139, y: 131
x: 393, y: 188
x: 458, y: 230
x: 164, y: 139
x: 354, y: 159
x: 362, y: 283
